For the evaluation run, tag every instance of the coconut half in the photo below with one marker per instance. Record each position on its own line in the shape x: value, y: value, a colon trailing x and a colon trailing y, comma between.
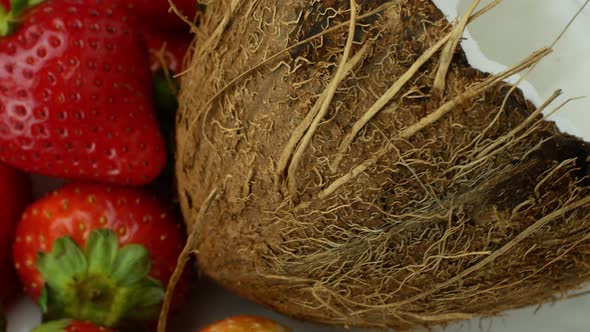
x: 341, y: 162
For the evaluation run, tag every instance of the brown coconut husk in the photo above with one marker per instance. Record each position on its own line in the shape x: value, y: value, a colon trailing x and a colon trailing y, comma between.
x: 349, y: 167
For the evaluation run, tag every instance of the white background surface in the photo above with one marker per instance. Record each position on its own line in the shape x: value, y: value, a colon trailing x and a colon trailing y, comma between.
x: 507, y: 34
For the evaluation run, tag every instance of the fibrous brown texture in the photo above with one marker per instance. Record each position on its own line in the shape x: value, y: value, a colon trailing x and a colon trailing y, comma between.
x: 322, y: 175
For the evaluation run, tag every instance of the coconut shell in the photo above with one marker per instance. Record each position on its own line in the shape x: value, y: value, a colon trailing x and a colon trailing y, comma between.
x: 351, y: 168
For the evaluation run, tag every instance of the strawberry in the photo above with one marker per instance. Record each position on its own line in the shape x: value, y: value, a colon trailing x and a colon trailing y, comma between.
x: 5, y: 5
x: 97, y: 253
x: 245, y: 324
x: 15, y: 193
x: 148, y: 11
x: 151, y: 11
x: 68, y: 325
x: 75, y: 95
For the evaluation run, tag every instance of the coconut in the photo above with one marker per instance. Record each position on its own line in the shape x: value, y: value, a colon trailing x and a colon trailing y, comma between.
x: 340, y: 161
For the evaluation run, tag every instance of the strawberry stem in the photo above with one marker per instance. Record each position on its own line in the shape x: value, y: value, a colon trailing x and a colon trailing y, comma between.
x: 18, y: 7
x: 10, y: 17
x: 103, y: 284
x: 6, y: 22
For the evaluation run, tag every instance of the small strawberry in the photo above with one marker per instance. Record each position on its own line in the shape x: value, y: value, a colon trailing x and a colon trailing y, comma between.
x: 68, y: 325
x: 245, y: 324
x: 15, y: 194
x: 97, y: 253
x: 75, y: 94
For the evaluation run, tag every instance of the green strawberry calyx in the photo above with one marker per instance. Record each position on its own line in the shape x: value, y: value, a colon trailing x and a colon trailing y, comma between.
x: 9, y: 19
x: 54, y: 326
x: 103, y: 283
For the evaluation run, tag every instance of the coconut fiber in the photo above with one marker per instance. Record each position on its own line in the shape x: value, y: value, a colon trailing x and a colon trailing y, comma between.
x: 341, y: 162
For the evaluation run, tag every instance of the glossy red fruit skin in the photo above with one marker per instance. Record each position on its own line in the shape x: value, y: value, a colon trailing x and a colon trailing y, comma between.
x: 150, y: 11
x: 78, y: 208
x: 5, y: 4
x: 86, y: 327
x: 15, y: 194
x: 169, y: 46
x: 78, y: 326
x: 76, y: 97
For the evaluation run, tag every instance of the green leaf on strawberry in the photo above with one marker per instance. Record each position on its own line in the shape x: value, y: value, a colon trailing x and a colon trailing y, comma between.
x: 102, y: 283
x: 10, y: 13
x: 166, y: 88
x: 18, y: 6
x: 54, y: 326
x: 7, y: 21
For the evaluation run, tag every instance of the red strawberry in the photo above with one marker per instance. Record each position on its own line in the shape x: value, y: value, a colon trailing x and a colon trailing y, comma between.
x: 166, y: 49
x: 245, y: 324
x: 68, y: 325
x: 97, y: 253
x: 75, y: 95
x: 151, y: 11
x: 5, y: 5
x: 15, y: 193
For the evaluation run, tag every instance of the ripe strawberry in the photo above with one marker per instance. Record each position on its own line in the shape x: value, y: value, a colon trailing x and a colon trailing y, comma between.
x: 75, y: 95
x: 68, y: 325
x: 97, y: 253
x: 150, y: 11
x: 245, y: 324
x: 15, y: 194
